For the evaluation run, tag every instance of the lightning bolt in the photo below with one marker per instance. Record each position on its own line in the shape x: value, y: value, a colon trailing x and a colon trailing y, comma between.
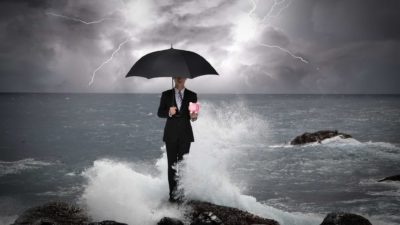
x: 109, y: 59
x: 267, y: 20
x: 285, y: 50
x: 270, y: 12
x: 79, y: 20
x: 76, y: 19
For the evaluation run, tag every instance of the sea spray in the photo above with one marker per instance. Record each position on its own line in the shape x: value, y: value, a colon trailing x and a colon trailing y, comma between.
x: 223, y: 133
x: 116, y: 191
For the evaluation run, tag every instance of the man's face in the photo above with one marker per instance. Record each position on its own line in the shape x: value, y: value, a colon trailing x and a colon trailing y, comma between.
x: 180, y: 80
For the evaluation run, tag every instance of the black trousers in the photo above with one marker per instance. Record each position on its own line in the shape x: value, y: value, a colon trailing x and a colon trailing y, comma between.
x: 175, y: 152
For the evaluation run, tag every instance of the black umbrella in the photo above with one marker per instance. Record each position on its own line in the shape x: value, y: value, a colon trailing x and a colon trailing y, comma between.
x: 171, y: 63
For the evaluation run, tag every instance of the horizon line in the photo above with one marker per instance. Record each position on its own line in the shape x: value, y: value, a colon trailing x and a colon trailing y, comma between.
x: 213, y: 93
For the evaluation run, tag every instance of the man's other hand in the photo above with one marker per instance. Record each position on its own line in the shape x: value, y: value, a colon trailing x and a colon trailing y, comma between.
x: 172, y: 111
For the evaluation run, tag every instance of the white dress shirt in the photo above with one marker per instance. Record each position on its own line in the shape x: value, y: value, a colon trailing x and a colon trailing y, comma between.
x: 178, y: 103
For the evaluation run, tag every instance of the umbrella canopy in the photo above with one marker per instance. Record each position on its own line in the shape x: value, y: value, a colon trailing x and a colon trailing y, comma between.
x: 171, y: 63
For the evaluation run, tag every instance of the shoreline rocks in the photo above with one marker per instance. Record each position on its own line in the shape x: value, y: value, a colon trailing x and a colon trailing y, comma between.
x: 318, y: 136
x: 208, y: 213
x: 195, y: 212
x: 58, y: 213
x: 343, y: 218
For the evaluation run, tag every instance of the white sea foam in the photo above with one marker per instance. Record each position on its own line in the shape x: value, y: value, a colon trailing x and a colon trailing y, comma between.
x: 282, y: 146
x: 14, y: 167
x: 115, y: 190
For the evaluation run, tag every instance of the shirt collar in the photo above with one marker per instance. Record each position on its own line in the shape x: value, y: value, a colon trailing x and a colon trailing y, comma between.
x: 182, y: 91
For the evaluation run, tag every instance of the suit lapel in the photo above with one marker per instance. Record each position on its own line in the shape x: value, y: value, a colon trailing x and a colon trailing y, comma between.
x: 173, y: 96
x: 185, y: 98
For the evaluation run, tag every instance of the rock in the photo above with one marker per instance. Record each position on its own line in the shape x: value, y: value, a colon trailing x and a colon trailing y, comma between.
x: 317, y: 137
x: 206, y: 218
x: 206, y: 213
x: 57, y: 213
x: 169, y: 221
x: 196, y: 213
x: 342, y: 218
x: 391, y: 178
x: 107, y: 222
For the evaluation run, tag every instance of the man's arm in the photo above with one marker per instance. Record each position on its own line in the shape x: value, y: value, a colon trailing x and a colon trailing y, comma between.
x: 163, y: 109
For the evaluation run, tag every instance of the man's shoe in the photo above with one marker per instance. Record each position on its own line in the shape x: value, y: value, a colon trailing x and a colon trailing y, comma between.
x: 172, y: 200
x: 176, y: 200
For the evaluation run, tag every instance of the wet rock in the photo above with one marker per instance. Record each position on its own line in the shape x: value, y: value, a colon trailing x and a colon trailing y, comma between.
x: 107, y: 222
x: 196, y: 213
x: 206, y: 213
x: 169, y: 221
x: 342, y: 218
x: 317, y: 137
x: 58, y: 213
x: 391, y: 178
x: 206, y: 218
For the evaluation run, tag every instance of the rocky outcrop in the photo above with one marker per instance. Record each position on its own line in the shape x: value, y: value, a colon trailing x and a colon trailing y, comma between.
x: 198, y: 213
x: 57, y: 213
x: 342, y: 218
x: 317, y: 137
x: 201, y: 213
x: 391, y: 178
x: 169, y: 221
x: 53, y: 213
x: 107, y: 222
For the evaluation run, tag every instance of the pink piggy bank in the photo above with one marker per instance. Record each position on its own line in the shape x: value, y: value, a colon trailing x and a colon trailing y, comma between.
x: 194, y: 107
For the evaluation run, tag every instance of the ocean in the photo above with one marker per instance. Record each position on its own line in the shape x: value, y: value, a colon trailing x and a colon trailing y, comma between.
x: 105, y: 152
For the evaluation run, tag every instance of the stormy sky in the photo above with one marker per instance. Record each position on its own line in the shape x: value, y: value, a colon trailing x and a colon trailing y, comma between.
x: 264, y: 46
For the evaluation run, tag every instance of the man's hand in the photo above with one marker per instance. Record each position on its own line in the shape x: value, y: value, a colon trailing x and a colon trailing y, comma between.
x: 172, y: 111
x: 193, y: 116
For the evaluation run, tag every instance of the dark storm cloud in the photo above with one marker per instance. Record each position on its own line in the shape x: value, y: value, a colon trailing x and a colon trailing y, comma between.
x: 358, y: 20
x: 23, y: 55
x: 352, y: 46
x: 169, y: 33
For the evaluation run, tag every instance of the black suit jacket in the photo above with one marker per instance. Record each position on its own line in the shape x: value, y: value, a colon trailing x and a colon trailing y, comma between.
x: 177, y: 127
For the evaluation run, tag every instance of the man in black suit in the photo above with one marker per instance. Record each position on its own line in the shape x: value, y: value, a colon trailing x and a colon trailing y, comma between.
x: 178, y: 133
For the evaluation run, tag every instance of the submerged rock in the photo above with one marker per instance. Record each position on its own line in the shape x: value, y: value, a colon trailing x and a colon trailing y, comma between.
x: 202, y: 213
x: 317, y: 137
x: 391, y: 178
x: 342, y: 218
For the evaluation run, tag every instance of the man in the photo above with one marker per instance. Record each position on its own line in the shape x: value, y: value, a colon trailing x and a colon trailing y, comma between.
x: 178, y: 133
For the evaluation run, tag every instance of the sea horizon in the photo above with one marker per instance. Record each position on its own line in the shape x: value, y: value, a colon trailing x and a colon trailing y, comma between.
x: 206, y: 93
